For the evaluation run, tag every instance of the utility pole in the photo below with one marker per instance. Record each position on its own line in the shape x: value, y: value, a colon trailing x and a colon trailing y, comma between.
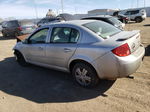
x: 35, y: 8
x: 144, y: 3
x: 137, y: 3
x: 62, y: 6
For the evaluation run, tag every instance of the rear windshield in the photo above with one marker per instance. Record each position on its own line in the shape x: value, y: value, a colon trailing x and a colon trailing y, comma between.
x: 115, y: 21
x: 102, y: 29
x: 13, y: 24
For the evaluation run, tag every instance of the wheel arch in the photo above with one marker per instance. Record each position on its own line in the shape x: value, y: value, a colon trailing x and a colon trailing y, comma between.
x: 75, y: 61
x: 16, y: 50
x: 139, y: 18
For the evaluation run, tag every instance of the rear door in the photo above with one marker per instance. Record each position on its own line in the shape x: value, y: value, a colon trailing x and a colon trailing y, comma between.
x: 134, y: 14
x: 62, y: 46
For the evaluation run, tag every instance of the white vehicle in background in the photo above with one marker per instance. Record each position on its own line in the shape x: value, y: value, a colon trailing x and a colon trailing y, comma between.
x: 137, y: 15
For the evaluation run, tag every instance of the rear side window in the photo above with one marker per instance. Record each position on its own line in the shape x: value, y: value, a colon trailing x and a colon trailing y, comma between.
x: 102, y: 29
x: 64, y: 35
x: 134, y: 12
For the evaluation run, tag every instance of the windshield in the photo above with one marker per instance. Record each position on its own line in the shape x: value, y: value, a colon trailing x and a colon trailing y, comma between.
x: 115, y: 21
x: 102, y: 29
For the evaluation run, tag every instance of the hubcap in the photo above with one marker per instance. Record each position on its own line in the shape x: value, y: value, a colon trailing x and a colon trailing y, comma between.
x: 82, y: 76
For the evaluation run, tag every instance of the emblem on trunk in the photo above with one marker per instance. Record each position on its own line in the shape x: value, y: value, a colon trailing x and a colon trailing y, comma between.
x: 133, y: 46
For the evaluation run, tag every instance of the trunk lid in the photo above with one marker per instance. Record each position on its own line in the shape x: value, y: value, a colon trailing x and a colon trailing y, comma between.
x: 132, y: 38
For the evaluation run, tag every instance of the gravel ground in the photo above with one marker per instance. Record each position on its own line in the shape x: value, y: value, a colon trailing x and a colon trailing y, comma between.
x: 36, y: 89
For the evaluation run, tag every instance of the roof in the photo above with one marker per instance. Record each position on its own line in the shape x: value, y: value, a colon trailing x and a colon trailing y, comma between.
x: 101, y: 10
x: 100, y: 16
x: 73, y: 22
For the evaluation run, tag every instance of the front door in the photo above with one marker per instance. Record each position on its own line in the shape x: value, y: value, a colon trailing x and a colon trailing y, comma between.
x: 35, y: 49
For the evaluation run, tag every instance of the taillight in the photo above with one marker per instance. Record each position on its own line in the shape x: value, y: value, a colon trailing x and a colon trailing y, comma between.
x: 20, y: 28
x: 122, y: 50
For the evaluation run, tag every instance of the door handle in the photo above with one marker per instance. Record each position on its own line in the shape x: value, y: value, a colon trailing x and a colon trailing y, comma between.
x: 67, y: 50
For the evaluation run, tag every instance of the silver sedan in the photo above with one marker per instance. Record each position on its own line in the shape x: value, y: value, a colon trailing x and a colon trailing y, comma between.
x: 90, y: 50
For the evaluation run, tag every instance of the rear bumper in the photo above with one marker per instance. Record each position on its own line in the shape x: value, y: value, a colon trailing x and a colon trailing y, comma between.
x: 111, y: 66
x: 128, y: 65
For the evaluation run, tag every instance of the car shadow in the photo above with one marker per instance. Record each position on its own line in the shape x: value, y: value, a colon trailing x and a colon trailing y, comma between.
x: 7, y: 38
x: 131, y: 22
x: 146, y: 25
x: 147, y: 51
x: 43, y: 85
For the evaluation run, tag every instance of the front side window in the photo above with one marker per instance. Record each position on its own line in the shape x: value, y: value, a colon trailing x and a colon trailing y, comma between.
x: 64, y: 35
x: 102, y: 29
x: 39, y: 37
x: 127, y: 13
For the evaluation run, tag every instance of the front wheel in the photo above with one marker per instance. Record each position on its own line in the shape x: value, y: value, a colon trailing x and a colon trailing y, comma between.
x: 85, y: 75
x: 20, y: 59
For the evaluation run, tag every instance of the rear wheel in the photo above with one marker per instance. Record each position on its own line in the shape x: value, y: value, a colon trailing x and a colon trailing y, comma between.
x: 85, y: 75
x: 20, y: 59
x: 138, y: 19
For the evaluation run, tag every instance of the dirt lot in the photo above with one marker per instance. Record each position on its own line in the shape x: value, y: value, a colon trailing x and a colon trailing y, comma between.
x: 36, y: 89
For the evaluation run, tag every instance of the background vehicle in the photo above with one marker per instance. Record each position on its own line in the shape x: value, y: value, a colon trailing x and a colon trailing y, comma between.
x: 66, y: 16
x: 27, y: 28
x: 121, y: 17
x: 11, y: 28
x: 137, y: 15
x: 109, y: 19
x: 49, y: 20
x: 16, y: 28
x: 89, y: 49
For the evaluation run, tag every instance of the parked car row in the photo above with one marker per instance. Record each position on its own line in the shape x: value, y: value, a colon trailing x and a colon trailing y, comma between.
x: 15, y: 28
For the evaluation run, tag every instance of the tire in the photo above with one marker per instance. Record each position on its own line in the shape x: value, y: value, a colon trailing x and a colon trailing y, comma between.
x: 4, y: 35
x: 16, y: 34
x: 20, y: 59
x: 85, y: 75
x: 138, y: 19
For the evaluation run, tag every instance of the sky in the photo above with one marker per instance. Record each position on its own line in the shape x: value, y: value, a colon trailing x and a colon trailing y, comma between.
x: 20, y: 9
